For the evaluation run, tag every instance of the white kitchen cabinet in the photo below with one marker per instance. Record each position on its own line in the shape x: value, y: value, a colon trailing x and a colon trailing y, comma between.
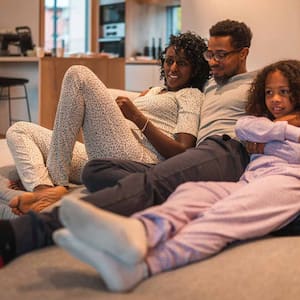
x: 139, y: 76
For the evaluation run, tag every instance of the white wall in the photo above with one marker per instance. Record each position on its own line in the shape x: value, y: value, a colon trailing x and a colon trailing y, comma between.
x: 15, y: 13
x: 275, y: 25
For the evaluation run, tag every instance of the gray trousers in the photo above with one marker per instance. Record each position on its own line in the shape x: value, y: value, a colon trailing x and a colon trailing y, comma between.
x: 125, y: 187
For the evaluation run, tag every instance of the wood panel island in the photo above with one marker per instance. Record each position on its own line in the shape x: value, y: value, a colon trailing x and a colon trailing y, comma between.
x: 45, y: 77
x: 51, y: 71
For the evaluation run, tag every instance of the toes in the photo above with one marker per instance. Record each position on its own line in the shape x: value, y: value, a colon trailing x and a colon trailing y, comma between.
x: 14, y: 202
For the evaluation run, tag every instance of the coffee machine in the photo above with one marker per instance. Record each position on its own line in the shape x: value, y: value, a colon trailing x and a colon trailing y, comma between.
x: 20, y: 39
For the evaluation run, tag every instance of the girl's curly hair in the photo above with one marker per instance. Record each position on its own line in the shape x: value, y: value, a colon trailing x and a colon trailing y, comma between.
x: 290, y: 69
x: 193, y: 46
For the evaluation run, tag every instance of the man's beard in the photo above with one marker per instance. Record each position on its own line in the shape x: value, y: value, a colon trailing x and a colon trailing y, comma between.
x: 221, y: 80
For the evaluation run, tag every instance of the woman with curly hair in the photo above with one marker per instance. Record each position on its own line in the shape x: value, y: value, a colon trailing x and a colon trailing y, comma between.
x: 201, y: 218
x: 160, y: 123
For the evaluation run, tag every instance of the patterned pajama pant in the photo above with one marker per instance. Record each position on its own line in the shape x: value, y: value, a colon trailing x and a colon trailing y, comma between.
x: 50, y: 157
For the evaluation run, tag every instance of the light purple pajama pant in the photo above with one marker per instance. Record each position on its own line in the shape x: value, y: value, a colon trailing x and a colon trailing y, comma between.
x: 200, y: 218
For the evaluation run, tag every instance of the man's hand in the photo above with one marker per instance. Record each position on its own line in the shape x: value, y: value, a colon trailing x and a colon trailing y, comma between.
x: 255, y: 148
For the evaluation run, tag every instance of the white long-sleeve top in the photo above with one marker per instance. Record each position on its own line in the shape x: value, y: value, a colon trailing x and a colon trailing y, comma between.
x: 282, y: 149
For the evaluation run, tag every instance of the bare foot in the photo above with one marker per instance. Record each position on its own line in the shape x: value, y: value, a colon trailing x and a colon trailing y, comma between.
x: 37, y: 200
x: 16, y: 185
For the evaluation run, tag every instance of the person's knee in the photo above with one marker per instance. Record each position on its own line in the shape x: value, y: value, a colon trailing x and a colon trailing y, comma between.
x: 87, y: 175
x: 76, y: 73
x: 16, y: 129
x: 98, y: 174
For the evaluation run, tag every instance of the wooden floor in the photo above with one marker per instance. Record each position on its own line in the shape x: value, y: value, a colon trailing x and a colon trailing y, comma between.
x: 2, y: 136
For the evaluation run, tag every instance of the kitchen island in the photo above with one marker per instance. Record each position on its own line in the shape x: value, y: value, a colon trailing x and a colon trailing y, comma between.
x: 141, y: 74
x: 51, y: 71
x: 45, y: 77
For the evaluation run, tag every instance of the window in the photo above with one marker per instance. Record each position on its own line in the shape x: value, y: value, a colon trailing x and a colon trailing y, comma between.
x: 173, y: 20
x: 66, y: 25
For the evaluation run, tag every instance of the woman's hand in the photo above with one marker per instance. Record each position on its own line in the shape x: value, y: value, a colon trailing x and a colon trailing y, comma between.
x: 165, y: 145
x: 130, y: 111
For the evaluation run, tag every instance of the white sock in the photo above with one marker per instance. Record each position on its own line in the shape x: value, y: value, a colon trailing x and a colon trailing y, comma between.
x: 117, y: 276
x: 120, y: 236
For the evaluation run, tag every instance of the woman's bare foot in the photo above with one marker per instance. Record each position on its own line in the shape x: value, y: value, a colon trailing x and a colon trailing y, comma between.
x: 37, y: 200
x: 16, y: 185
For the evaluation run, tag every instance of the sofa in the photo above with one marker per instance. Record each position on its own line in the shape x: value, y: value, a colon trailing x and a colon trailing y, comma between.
x: 266, y: 269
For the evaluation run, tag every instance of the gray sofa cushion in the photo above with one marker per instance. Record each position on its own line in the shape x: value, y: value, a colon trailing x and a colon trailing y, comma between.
x: 266, y: 269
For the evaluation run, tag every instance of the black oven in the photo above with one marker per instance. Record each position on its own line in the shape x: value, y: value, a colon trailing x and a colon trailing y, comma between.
x: 112, y: 46
x: 112, y: 12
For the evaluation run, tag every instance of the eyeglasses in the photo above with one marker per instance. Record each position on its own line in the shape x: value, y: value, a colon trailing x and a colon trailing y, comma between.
x: 218, y: 55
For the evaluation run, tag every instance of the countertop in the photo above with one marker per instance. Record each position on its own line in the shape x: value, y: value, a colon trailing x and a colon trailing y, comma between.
x: 19, y: 59
x: 36, y: 59
x: 140, y: 61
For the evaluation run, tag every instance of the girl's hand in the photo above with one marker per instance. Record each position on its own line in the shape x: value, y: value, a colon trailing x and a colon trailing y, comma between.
x: 255, y: 148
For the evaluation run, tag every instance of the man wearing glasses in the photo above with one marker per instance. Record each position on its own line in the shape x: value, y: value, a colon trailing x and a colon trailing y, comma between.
x: 125, y: 187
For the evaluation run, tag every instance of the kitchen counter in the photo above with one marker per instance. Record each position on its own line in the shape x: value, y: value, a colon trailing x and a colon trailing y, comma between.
x: 133, y: 61
x: 142, y: 74
x: 19, y: 59
x: 45, y: 76
x: 51, y: 72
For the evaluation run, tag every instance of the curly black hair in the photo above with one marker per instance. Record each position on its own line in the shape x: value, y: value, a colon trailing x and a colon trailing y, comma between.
x: 240, y: 33
x: 193, y: 46
x: 290, y: 69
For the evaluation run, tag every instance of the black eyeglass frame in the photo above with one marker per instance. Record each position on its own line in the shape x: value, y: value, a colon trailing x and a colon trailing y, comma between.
x: 219, y: 55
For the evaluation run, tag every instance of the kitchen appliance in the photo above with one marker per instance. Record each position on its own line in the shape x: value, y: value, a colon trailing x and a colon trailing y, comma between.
x: 113, y: 30
x: 113, y: 46
x: 9, y: 41
x: 112, y: 12
x: 16, y: 43
x: 112, y: 27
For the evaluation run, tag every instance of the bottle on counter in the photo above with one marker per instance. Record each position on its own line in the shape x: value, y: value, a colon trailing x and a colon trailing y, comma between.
x: 159, y: 49
x: 122, y: 48
x: 153, y: 49
x: 147, y: 51
x: 60, y: 51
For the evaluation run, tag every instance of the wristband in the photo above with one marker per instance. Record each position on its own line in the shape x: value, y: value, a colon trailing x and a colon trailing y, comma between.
x: 145, y: 126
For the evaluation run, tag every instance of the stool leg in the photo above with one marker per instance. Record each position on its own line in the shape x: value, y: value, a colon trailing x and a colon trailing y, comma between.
x: 27, y: 103
x: 6, y: 97
x: 9, y: 106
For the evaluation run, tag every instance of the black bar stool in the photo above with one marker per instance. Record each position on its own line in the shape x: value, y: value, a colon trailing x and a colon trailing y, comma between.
x: 5, y: 84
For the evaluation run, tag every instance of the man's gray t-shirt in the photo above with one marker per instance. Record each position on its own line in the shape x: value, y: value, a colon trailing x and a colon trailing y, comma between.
x: 223, y: 105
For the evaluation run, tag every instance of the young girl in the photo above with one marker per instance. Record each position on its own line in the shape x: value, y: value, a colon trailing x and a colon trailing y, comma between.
x: 201, y: 218
x: 161, y: 123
